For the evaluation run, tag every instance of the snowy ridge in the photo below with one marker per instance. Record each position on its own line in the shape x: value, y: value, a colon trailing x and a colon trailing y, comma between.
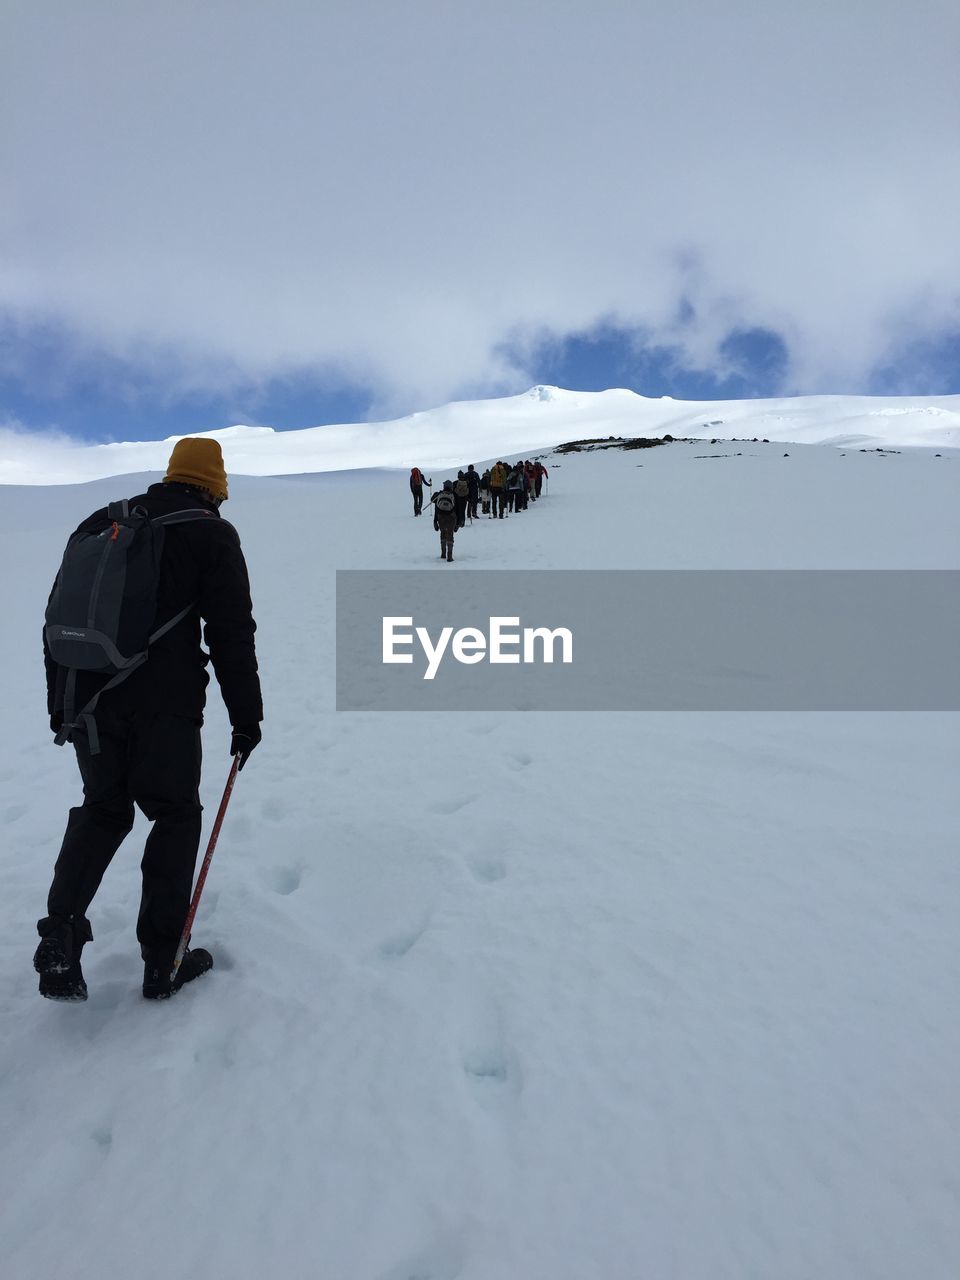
x: 473, y: 430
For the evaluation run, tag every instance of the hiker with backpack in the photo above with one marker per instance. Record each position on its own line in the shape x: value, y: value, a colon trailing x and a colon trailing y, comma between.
x: 461, y: 491
x: 416, y: 488
x: 539, y: 471
x: 498, y: 483
x: 445, y: 519
x: 515, y: 489
x: 126, y: 685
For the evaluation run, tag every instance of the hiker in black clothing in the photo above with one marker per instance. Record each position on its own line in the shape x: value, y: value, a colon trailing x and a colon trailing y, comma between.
x: 142, y: 745
x: 445, y: 519
x: 416, y: 488
x: 473, y: 491
x: 485, y: 492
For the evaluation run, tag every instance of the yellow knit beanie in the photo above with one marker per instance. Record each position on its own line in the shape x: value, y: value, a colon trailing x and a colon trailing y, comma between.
x: 198, y: 462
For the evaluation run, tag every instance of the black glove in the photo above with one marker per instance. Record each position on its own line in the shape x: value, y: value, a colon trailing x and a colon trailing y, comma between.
x: 245, y: 739
x: 56, y: 722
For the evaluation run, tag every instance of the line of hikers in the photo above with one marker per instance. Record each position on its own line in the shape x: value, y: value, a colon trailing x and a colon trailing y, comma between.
x: 500, y: 489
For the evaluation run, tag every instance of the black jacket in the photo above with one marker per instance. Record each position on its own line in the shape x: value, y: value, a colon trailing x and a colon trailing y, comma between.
x: 202, y: 562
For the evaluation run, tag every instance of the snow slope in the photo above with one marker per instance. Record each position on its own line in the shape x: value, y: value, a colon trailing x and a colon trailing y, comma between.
x: 541, y: 418
x: 509, y: 997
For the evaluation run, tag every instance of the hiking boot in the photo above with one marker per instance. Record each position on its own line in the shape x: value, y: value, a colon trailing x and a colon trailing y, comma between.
x: 67, y: 984
x: 157, y: 984
x: 57, y: 958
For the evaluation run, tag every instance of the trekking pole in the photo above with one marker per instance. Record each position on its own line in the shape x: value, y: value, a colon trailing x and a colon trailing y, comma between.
x: 205, y: 867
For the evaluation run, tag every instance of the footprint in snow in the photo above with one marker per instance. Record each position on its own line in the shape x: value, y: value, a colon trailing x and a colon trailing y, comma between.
x: 14, y: 812
x: 493, y: 1076
x: 273, y: 809
x: 396, y: 948
x: 447, y: 807
x: 103, y: 1137
x: 521, y: 759
x: 485, y: 869
x: 285, y: 880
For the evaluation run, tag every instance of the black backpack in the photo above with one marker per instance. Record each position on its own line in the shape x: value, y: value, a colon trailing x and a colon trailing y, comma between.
x: 104, y: 604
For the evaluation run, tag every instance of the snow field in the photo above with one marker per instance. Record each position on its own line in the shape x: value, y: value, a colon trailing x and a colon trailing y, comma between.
x: 500, y: 996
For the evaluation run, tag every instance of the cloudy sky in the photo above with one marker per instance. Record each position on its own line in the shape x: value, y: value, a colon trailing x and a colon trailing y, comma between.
x: 311, y: 210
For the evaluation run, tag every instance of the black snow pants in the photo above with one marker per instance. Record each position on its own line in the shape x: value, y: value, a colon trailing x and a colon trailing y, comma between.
x: 151, y: 760
x: 446, y: 524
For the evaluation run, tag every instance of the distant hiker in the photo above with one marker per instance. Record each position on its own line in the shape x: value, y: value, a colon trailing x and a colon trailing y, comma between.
x: 530, y: 476
x: 461, y: 491
x: 539, y: 471
x: 445, y: 518
x: 473, y: 491
x: 522, y: 468
x: 485, y: 493
x: 498, y: 484
x: 416, y: 488
x: 515, y: 489
x: 167, y: 561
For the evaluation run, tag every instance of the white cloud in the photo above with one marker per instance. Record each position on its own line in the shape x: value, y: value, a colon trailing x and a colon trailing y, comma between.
x: 244, y: 189
x: 32, y: 457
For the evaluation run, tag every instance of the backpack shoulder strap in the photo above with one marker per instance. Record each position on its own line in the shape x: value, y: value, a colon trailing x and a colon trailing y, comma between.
x: 179, y: 517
